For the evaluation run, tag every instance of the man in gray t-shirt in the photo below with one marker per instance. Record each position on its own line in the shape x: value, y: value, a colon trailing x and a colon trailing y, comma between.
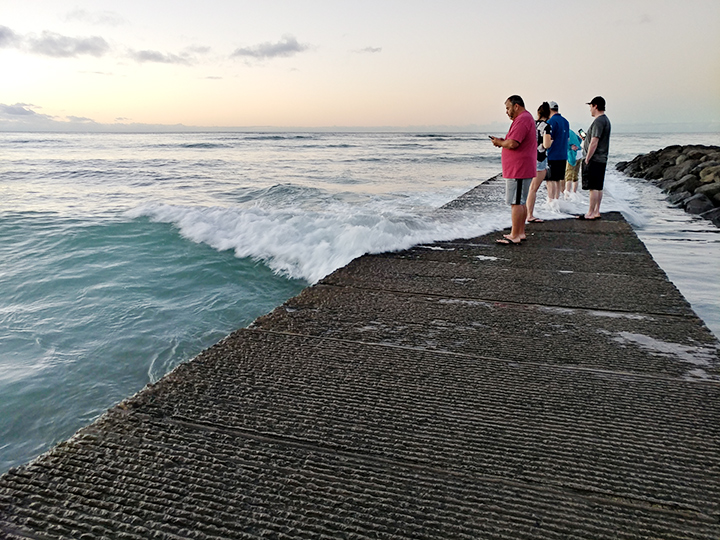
x: 596, y: 146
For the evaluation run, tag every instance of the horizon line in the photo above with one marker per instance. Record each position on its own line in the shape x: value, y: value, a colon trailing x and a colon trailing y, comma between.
x: 137, y: 127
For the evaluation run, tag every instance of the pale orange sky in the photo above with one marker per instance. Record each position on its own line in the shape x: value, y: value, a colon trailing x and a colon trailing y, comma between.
x: 304, y: 63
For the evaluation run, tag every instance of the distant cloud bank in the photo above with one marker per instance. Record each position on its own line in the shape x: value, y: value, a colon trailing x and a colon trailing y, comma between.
x: 58, y: 46
x: 287, y: 46
x: 160, y: 58
x: 53, y: 45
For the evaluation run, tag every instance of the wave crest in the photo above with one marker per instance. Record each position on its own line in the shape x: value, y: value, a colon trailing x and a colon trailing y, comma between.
x: 309, y: 245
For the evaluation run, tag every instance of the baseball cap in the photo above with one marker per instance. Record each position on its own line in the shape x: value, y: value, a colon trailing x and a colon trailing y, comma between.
x: 598, y: 101
x: 553, y: 106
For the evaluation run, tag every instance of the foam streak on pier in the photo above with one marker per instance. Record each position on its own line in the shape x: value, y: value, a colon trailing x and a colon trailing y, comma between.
x: 561, y: 389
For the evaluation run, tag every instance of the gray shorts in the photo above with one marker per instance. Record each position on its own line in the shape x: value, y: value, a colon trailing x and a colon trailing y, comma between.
x: 516, y: 190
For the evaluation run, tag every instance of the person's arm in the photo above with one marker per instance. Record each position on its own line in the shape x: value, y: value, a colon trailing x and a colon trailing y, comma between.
x: 547, y: 141
x: 511, y: 144
x: 591, y: 149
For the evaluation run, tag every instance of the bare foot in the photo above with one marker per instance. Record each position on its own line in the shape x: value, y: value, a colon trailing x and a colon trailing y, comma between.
x: 507, y: 239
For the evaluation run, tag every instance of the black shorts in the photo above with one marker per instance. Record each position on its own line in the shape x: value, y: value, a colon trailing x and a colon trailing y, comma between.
x: 556, y: 170
x: 593, y: 175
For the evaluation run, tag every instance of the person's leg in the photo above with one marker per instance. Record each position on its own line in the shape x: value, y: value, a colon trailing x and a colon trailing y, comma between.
x: 569, y: 172
x: 576, y: 176
x: 532, y: 194
x: 512, y: 197
x: 524, y: 187
x: 556, y: 175
x: 516, y: 192
x: 594, y: 205
x: 596, y: 182
x: 552, y: 187
x: 518, y: 214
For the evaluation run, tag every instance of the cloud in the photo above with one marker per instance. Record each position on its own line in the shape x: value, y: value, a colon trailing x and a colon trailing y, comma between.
x: 59, y: 46
x: 21, y: 117
x: 100, y: 18
x: 19, y: 109
x: 81, y: 120
x: 160, y: 58
x: 53, y: 45
x: 197, y: 49
x: 287, y: 46
x: 8, y: 38
x: 370, y: 50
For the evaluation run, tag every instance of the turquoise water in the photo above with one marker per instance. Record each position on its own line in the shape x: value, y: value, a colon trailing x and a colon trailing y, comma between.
x: 91, y: 312
x: 125, y: 255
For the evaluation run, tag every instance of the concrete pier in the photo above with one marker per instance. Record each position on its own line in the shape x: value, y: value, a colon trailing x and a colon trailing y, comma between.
x: 560, y: 389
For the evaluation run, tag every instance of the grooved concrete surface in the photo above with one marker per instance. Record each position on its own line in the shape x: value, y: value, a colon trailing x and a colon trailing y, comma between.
x: 560, y: 389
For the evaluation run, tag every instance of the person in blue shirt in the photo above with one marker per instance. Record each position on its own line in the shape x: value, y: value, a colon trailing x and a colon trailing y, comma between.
x: 557, y: 153
x: 574, y: 160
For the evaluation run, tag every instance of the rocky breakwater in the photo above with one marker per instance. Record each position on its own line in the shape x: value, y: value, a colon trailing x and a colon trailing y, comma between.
x: 689, y: 174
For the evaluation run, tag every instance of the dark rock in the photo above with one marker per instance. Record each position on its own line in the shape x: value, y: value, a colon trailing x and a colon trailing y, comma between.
x: 655, y: 172
x: 679, y: 197
x: 634, y: 169
x: 673, y: 185
x: 690, y: 174
x: 712, y: 215
x: 688, y: 166
x: 691, y: 182
x: 709, y: 190
x: 697, y: 204
x: 673, y: 172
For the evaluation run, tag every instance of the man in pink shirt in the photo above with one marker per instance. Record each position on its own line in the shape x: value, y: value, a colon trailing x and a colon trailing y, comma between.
x: 519, y: 154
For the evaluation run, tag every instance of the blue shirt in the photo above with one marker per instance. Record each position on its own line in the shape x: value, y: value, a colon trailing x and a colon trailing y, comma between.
x: 572, y: 154
x: 560, y: 133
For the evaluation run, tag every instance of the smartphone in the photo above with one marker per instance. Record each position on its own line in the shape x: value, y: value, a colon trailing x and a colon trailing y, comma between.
x: 582, y: 133
x: 490, y: 137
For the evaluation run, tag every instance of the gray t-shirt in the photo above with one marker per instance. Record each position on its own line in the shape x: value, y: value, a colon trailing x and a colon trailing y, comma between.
x: 600, y: 128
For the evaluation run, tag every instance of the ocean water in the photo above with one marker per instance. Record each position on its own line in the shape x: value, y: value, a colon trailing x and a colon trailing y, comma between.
x: 123, y: 255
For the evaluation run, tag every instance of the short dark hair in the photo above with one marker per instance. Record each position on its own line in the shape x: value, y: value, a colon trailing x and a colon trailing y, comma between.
x: 516, y: 100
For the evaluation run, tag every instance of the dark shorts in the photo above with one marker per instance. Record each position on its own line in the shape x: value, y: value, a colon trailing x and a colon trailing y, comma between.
x: 593, y: 175
x: 556, y: 168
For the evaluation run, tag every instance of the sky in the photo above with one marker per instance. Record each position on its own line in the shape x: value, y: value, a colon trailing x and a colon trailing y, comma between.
x: 423, y: 64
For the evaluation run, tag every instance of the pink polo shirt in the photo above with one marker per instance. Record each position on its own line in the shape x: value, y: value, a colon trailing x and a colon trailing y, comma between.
x: 522, y: 161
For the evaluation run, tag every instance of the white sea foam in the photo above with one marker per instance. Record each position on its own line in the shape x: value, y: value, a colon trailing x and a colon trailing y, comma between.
x: 309, y: 245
